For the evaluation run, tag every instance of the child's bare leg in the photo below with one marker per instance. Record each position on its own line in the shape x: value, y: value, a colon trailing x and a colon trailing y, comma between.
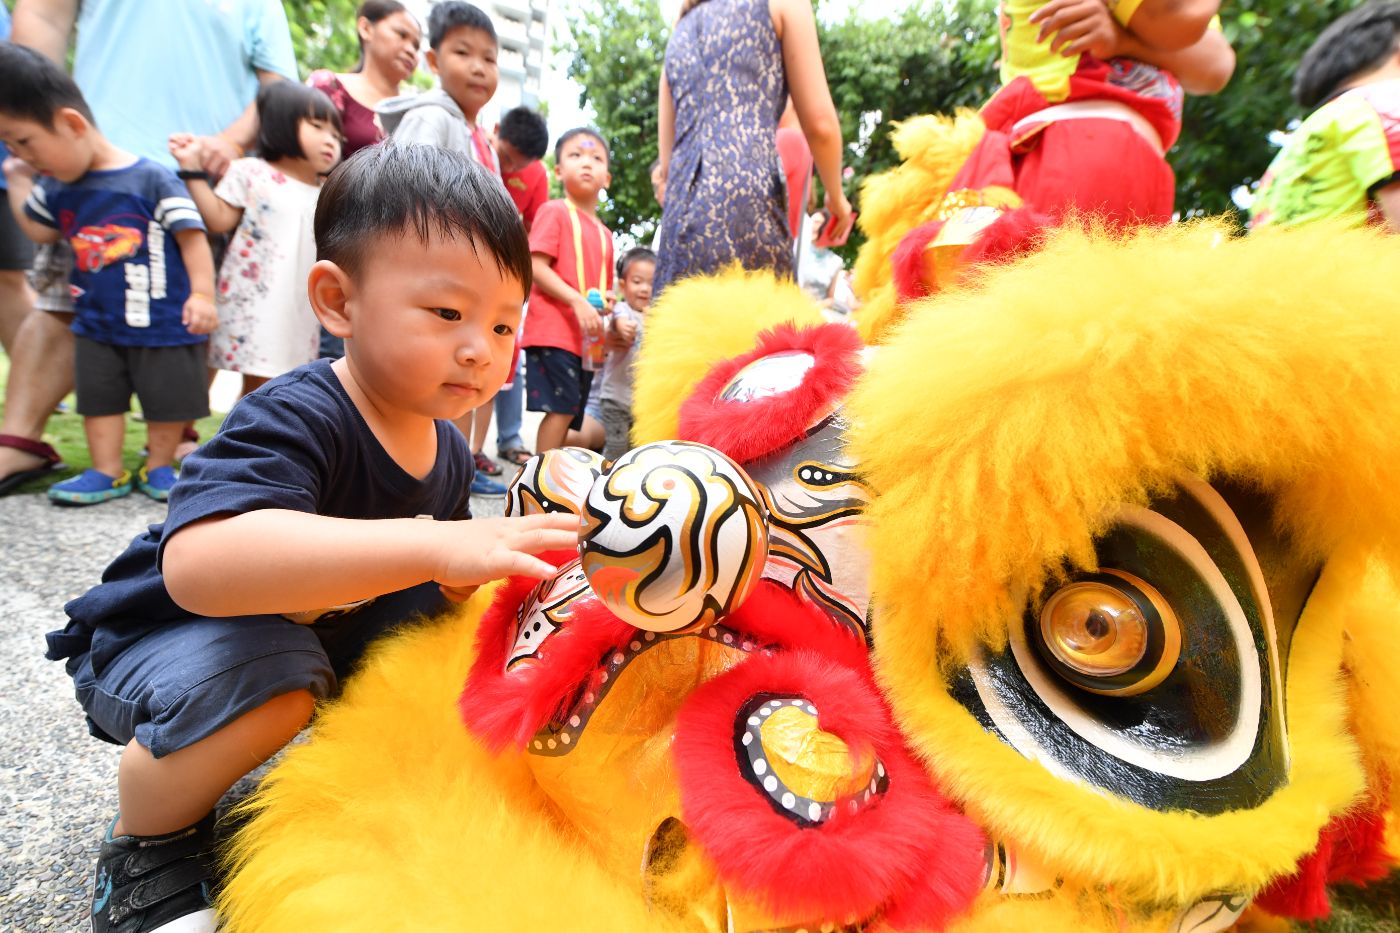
x: 481, y: 422
x: 162, y: 437
x: 184, y: 448
x: 590, y: 437
x: 161, y: 795
x: 105, y: 434
x: 553, y: 429
x: 252, y: 383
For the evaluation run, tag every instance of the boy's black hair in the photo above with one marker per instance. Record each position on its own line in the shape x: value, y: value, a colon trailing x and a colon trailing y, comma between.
x: 282, y: 105
x: 580, y: 131
x: 526, y: 131
x: 422, y: 191
x: 1353, y: 44
x: 635, y: 254
x: 448, y: 15
x: 34, y: 88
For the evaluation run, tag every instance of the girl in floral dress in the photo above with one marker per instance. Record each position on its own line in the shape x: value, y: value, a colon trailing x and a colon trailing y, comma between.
x: 266, y: 326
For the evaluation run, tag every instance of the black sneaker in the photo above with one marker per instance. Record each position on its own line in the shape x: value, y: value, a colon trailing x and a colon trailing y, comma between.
x: 149, y: 883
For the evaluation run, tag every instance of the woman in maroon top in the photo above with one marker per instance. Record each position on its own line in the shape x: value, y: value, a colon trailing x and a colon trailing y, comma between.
x: 389, y: 41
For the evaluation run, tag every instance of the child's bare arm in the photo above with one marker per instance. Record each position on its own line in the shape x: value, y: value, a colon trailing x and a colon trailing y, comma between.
x: 19, y: 176
x: 223, y: 566
x: 1087, y: 26
x: 219, y: 215
x: 665, y: 130
x: 1172, y: 25
x: 1080, y: 26
x: 1204, y: 68
x: 555, y: 287
x: 200, y: 316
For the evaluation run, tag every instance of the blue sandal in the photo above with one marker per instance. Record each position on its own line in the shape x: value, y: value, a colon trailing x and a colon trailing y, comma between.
x: 90, y: 487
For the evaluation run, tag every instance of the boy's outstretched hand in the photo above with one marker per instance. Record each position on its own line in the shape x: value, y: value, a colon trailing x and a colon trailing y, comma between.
x: 490, y: 548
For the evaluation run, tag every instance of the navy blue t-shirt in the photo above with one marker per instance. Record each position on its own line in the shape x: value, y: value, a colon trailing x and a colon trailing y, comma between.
x: 297, y: 443
x: 129, y: 279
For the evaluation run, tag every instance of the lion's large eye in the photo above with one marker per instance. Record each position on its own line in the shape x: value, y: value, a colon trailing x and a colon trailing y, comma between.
x: 1109, y: 633
x: 1157, y: 677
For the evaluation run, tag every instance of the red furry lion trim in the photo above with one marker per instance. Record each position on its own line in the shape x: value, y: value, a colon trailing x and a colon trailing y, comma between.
x: 907, y: 853
x: 1351, y: 848
x: 504, y: 708
x: 748, y: 429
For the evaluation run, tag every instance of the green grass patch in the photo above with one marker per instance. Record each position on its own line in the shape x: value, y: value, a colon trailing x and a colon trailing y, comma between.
x: 1372, y: 909
x: 65, y: 433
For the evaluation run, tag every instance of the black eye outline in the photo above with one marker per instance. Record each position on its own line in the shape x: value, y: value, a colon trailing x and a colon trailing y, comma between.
x: 443, y: 313
x: 507, y: 332
x: 1162, y: 643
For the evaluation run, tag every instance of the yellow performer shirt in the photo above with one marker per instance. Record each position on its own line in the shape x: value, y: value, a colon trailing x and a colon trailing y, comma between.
x: 1021, y: 54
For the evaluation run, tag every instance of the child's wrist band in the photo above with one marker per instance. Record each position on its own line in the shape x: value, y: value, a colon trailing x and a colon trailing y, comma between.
x: 192, y: 175
x: 208, y: 298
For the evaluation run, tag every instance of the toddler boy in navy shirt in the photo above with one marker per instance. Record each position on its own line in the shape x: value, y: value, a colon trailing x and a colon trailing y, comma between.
x: 326, y: 511
x: 143, y: 277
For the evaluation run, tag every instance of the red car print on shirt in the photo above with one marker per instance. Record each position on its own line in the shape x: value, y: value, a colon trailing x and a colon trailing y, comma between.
x: 96, y: 248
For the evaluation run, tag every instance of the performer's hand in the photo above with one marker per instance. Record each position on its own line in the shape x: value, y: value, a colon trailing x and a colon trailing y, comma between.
x: 1078, y: 26
x: 483, y: 549
x: 588, y: 317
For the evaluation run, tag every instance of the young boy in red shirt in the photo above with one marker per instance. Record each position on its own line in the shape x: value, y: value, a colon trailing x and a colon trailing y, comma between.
x: 522, y: 139
x: 572, y: 252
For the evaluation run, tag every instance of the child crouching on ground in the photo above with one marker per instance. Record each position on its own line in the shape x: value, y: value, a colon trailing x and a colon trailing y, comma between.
x: 635, y: 270
x: 204, y: 650
x: 143, y: 279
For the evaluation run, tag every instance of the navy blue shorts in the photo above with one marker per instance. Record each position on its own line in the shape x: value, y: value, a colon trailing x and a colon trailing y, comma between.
x: 173, y: 684
x: 556, y: 382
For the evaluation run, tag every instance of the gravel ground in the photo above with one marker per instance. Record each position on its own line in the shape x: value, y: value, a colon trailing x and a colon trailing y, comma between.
x: 57, y: 783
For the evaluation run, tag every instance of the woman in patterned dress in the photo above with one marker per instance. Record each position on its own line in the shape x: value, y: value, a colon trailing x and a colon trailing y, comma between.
x: 730, y: 65
x: 389, y: 40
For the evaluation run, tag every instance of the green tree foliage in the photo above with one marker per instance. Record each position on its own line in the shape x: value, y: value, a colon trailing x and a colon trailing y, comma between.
x: 323, y: 33
x: 617, y: 61
x: 933, y: 57
x: 1225, y: 141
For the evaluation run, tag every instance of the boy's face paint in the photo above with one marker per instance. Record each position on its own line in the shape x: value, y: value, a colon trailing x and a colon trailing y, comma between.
x: 636, y: 284
x: 466, y: 65
x: 432, y: 326
x: 583, y: 167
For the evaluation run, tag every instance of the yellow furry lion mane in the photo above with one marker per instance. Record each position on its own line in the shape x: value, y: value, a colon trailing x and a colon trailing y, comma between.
x: 1001, y: 426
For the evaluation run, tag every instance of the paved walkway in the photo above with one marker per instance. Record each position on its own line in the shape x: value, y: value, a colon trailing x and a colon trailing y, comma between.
x: 57, y: 784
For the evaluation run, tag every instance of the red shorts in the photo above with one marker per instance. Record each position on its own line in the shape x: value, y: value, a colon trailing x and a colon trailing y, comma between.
x: 1095, y: 166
